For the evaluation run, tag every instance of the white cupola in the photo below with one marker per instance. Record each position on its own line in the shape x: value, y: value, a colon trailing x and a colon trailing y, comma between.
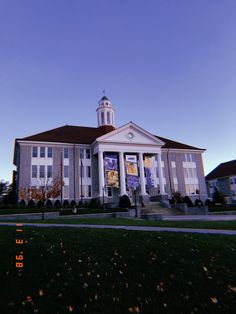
x: 105, y: 112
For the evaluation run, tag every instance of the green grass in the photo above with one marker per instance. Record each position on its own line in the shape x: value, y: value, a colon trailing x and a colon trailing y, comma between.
x: 225, y: 225
x: 115, y: 271
x: 9, y: 211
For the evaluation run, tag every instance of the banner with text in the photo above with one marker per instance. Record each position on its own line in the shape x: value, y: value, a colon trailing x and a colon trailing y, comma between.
x: 132, y: 171
x: 150, y: 171
x: 111, y: 169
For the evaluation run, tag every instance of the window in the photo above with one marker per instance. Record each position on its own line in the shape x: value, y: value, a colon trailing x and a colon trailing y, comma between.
x: 49, y: 152
x: 189, y: 157
x: 191, y: 188
x: 81, y: 153
x: 49, y: 171
x: 66, y: 171
x: 35, y: 152
x: 176, y: 187
x: 185, y: 173
x: 66, y: 152
x: 190, y: 171
x: 42, y: 171
x: 88, y: 172
x: 174, y: 172
x: 34, y: 171
x: 89, y: 191
x: 194, y: 172
x: 81, y: 171
x: 109, y: 192
x: 66, y: 191
x: 42, y: 152
x: 88, y: 153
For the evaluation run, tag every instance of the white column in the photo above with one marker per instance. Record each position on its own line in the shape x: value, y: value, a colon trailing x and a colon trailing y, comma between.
x: 160, y: 172
x: 142, y: 178
x: 101, y: 173
x: 122, y: 174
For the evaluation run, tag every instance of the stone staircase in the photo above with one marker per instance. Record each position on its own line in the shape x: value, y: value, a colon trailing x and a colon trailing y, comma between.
x: 154, y: 211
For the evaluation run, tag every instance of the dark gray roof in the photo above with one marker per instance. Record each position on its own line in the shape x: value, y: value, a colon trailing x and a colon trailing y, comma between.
x: 87, y: 135
x: 224, y: 169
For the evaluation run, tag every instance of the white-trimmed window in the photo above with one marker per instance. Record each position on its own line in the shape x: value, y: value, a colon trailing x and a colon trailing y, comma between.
x: 49, y: 171
x: 34, y: 173
x: 35, y: 151
x: 89, y: 191
x: 42, y: 152
x: 88, y: 153
x: 66, y: 152
x: 176, y: 187
x: 189, y: 157
x: 49, y: 152
x: 66, y: 171
x: 191, y: 188
x: 81, y: 153
x: 174, y: 172
x: 42, y: 171
x: 88, y: 171
x: 81, y: 171
x: 66, y: 191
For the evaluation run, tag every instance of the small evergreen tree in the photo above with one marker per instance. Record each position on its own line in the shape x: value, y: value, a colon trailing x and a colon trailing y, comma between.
x: 124, y: 202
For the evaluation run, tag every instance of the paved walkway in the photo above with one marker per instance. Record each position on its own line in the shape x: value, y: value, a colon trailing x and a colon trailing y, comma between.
x: 55, y: 215
x: 136, y: 228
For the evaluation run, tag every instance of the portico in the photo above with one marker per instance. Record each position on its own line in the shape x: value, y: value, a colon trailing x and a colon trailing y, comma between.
x: 129, y: 140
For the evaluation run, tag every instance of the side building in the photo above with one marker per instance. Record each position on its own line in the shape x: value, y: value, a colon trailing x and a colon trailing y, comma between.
x: 106, y: 162
x: 223, y: 178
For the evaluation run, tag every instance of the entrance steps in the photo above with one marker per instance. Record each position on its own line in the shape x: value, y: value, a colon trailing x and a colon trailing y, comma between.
x: 155, y: 208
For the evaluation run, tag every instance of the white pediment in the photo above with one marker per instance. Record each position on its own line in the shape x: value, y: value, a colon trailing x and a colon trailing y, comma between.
x: 130, y: 133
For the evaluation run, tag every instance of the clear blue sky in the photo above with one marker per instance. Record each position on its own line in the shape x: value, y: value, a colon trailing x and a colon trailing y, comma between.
x: 167, y: 65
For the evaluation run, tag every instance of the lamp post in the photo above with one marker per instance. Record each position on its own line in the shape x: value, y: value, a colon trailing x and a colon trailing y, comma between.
x: 103, y: 196
x: 135, y: 203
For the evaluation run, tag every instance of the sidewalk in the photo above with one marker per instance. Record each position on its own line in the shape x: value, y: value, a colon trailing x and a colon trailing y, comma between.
x: 136, y: 228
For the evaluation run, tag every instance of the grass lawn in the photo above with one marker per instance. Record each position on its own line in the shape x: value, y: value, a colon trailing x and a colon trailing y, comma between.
x: 9, y: 211
x: 115, y: 271
x: 224, y: 225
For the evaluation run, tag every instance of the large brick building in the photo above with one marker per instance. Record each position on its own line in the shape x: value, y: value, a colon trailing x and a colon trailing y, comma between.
x: 106, y: 162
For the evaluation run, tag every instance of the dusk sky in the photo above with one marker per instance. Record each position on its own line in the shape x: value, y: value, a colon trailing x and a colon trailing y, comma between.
x: 167, y: 65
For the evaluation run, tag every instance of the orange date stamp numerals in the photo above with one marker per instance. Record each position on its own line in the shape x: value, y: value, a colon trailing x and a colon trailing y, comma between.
x: 19, y: 241
x: 19, y: 258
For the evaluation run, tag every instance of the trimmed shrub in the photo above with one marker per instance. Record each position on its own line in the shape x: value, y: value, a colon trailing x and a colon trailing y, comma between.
x: 40, y: 204
x: 22, y: 204
x: 198, y: 202
x: 208, y: 202
x: 73, y: 204
x: 177, y: 197
x: 124, y: 202
x: 80, y: 204
x: 31, y: 204
x: 188, y: 201
x: 49, y: 204
x: 57, y: 204
x: 94, y: 203
x: 66, y: 204
x: 218, y: 197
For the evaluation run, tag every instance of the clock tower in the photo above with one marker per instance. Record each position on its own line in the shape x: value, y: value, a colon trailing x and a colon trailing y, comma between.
x: 105, y: 112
